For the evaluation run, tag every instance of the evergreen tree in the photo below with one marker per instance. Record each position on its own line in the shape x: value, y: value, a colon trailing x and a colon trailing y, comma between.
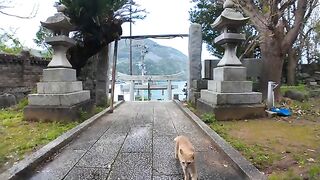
x: 98, y: 22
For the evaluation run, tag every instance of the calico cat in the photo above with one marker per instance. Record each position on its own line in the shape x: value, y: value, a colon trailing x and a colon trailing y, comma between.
x: 184, y: 151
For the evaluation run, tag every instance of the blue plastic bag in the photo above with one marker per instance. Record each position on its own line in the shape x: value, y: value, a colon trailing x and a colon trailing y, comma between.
x: 281, y: 111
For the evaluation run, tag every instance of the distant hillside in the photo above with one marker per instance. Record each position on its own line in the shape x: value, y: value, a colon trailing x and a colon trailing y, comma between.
x: 160, y: 60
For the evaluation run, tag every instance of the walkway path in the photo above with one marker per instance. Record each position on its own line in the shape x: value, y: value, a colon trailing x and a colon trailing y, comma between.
x: 135, y: 142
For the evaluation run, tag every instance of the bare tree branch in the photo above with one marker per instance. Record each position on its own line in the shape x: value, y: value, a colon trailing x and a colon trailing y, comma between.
x: 294, y: 31
x: 33, y: 12
x: 251, y: 10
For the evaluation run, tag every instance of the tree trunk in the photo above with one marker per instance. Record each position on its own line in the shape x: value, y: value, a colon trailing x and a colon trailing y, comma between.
x: 101, y: 97
x: 291, y: 67
x: 272, y: 62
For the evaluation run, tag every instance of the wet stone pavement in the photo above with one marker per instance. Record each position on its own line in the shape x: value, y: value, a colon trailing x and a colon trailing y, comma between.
x: 135, y: 142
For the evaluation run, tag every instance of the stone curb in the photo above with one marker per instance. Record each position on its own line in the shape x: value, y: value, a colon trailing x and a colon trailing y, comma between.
x: 235, y: 158
x: 22, y: 168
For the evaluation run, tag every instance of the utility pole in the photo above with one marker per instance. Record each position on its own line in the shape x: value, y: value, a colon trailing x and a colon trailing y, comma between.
x: 130, y: 40
x: 114, y: 69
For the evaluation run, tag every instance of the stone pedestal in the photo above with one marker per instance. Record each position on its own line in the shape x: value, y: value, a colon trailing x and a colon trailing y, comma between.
x: 230, y: 96
x: 59, y: 97
x: 196, y: 87
x: 232, y: 112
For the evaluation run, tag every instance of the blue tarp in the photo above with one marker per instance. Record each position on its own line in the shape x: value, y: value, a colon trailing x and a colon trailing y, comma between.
x: 281, y: 111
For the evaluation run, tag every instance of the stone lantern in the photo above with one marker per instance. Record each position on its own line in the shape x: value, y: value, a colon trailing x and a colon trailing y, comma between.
x: 229, y: 94
x: 59, y: 96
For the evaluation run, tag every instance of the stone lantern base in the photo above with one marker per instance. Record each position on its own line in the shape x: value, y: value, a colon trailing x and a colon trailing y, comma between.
x: 230, y: 95
x: 232, y: 112
x: 59, y: 97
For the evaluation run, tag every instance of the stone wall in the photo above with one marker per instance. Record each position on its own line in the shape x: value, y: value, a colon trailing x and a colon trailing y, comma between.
x: 253, y: 66
x: 19, y: 74
x: 20, y: 71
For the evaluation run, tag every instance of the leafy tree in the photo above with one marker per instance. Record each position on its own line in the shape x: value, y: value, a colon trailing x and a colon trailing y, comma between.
x: 98, y: 22
x: 41, y: 34
x: 205, y: 12
x: 9, y: 44
x: 277, y: 25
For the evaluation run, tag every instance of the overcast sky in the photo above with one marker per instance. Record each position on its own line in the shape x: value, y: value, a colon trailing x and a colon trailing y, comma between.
x: 164, y: 17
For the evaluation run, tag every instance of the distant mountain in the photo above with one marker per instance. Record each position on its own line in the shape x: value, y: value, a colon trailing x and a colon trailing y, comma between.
x: 159, y: 60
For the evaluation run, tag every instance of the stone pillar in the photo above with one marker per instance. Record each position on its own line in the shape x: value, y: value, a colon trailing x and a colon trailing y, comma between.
x: 169, y: 90
x: 194, y: 63
x: 131, y: 90
x: 101, y: 97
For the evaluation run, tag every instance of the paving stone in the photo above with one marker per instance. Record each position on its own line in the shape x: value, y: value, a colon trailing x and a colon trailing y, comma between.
x: 133, y: 166
x: 209, y: 166
x: 162, y: 123
x: 120, y: 146
x: 144, y: 115
x: 181, y: 123
x: 139, y: 139
x: 84, y: 173
x: 87, y: 138
x: 200, y: 141
x: 164, y: 162
x: 103, y: 152
x: 169, y: 177
x: 61, y: 165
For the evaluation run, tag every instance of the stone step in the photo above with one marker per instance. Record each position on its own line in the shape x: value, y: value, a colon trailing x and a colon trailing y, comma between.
x: 67, y: 99
x: 232, y: 112
x: 58, y: 87
x: 200, y: 84
x: 230, y: 73
x: 216, y: 98
x: 230, y: 86
x: 59, y: 74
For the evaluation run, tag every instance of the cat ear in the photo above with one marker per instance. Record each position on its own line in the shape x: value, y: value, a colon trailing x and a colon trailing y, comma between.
x: 181, y: 152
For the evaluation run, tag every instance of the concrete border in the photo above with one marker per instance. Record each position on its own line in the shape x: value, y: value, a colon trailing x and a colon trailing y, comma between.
x: 235, y: 158
x: 30, y: 162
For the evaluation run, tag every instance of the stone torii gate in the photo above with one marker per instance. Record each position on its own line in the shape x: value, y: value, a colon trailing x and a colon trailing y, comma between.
x: 133, y: 78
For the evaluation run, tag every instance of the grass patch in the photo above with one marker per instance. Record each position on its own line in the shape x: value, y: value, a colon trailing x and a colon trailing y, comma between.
x: 191, y: 106
x: 208, y: 118
x: 256, y: 153
x: 282, y: 147
x: 301, y: 88
x: 288, y: 175
x: 19, y: 137
x: 314, y: 172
